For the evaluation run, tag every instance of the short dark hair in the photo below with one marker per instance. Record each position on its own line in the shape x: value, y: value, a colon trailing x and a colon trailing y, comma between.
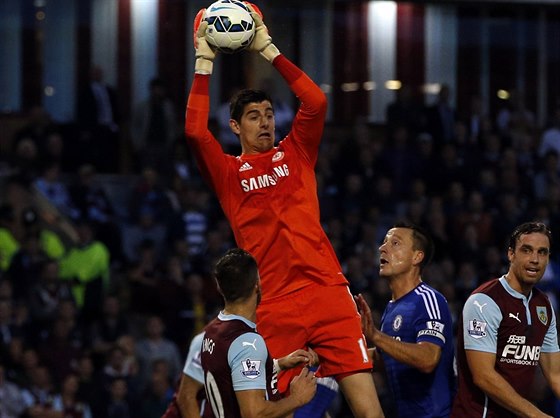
x: 244, y: 97
x: 528, y: 228
x: 236, y: 273
x: 421, y: 241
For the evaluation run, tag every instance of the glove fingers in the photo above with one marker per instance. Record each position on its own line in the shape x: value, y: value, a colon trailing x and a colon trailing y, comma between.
x: 253, y: 8
x: 257, y: 18
x: 199, y: 18
x: 202, y: 29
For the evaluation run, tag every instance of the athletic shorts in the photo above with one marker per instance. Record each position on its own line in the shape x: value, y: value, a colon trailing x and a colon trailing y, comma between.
x: 324, y: 318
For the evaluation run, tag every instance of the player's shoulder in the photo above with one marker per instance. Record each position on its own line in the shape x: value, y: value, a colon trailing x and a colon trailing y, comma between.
x: 429, y: 293
x: 490, y: 287
x: 248, y: 344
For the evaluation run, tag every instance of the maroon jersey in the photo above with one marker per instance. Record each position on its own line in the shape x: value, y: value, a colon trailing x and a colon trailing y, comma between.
x: 525, y: 327
x: 234, y: 357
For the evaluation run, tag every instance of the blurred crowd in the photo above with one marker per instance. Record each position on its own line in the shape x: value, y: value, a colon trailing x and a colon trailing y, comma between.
x: 99, y: 300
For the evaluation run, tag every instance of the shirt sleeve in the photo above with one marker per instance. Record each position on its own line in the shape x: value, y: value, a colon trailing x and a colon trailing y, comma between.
x: 550, y: 343
x: 481, y: 320
x: 308, y: 125
x: 433, y: 317
x: 193, y: 367
x: 207, y: 150
x: 247, y: 359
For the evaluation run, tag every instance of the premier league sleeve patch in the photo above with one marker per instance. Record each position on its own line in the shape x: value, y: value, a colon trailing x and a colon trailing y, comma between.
x: 477, y: 329
x: 251, y: 368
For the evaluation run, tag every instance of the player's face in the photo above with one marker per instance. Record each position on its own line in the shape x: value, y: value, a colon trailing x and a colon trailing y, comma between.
x: 529, y: 259
x: 396, y: 254
x: 256, y: 128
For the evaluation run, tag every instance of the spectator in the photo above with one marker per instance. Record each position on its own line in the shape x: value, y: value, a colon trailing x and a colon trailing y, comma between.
x: 60, y: 352
x: 93, y: 203
x: 107, y: 328
x: 118, y: 366
x: 441, y: 117
x: 54, y: 189
x: 154, y: 127
x: 11, y: 399
x: 119, y: 404
x: 155, y: 346
x: 142, y: 280
x: 51, y: 241
x: 89, y: 385
x: 86, y: 267
x: 550, y: 139
x: 46, y: 296
x: 9, y: 245
x: 98, y: 120
x: 157, y: 396
x: 25, y: 268
x: 38, y: 398
x: 68, y: 401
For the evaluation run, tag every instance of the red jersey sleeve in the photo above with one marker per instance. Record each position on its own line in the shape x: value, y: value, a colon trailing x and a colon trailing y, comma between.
x: 207, y: 150
x: 307, y: 128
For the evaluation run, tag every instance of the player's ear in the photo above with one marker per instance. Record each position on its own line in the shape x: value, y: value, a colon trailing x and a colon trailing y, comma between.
x: 234, y: 126
x: 418, y: 257
x: 510, y: 254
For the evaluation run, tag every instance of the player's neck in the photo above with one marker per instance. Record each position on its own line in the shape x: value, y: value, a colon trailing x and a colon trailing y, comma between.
x: 401, y: 285
x: 517, y: 285
x: 245, y: 309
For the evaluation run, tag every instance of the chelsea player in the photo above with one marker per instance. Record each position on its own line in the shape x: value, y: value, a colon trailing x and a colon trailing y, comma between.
x: 415, y: 342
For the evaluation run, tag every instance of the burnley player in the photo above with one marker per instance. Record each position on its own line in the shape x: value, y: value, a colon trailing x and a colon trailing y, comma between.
x: 239, y: 375
x: 415, y: 343
x: 508, y: 329
x: 269, y: 196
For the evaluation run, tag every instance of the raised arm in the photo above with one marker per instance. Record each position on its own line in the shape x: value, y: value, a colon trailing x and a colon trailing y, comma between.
x: 309, y: 121
x: 207, y: 150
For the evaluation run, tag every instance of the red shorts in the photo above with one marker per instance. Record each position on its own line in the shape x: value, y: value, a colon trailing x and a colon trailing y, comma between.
x: 324, y: 318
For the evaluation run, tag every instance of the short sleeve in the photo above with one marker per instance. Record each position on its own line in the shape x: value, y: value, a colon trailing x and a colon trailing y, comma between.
x: 432, y: 317
x: 550, y: 343
x: 193, y: 367
x: 247, y: 359
x: 481, y: 320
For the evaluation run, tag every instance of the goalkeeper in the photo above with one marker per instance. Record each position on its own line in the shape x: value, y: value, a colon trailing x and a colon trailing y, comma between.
x: 269, y: 196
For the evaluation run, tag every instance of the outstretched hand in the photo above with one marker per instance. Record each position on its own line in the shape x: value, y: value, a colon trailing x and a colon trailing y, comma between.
x: 204, y: 52
x: 262, y: 41
x: 298, y: 358
x: 368, y: 327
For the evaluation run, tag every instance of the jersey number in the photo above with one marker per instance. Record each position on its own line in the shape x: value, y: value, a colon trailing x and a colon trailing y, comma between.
x: 213, y: 394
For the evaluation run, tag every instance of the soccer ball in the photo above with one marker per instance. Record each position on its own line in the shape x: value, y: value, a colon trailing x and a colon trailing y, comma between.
x: 230, y: 26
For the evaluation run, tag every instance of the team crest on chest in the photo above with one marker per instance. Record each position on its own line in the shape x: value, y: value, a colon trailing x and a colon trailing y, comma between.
x: 278, y: 156
x: 542, y: 315
x: 397, y: 322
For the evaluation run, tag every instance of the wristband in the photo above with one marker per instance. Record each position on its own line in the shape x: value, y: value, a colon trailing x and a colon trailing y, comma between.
x: 203, y: 66
x: 270, y: 52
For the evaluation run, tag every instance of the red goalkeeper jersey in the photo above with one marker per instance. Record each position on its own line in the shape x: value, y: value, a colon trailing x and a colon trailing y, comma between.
x: 270, y: 199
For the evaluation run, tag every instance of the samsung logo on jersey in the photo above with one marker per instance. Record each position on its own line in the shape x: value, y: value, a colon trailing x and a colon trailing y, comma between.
x: 265, y: 180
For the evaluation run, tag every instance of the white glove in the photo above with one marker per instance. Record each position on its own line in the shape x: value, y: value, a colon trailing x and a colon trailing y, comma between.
x: 204, y: 53
x: 262, y: 42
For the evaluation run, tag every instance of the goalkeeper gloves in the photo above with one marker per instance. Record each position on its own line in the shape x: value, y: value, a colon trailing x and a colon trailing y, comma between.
x: 262, y: 42
x: 205, y: 54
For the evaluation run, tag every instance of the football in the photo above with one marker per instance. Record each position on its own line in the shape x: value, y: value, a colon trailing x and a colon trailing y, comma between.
x: 230, y: 26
